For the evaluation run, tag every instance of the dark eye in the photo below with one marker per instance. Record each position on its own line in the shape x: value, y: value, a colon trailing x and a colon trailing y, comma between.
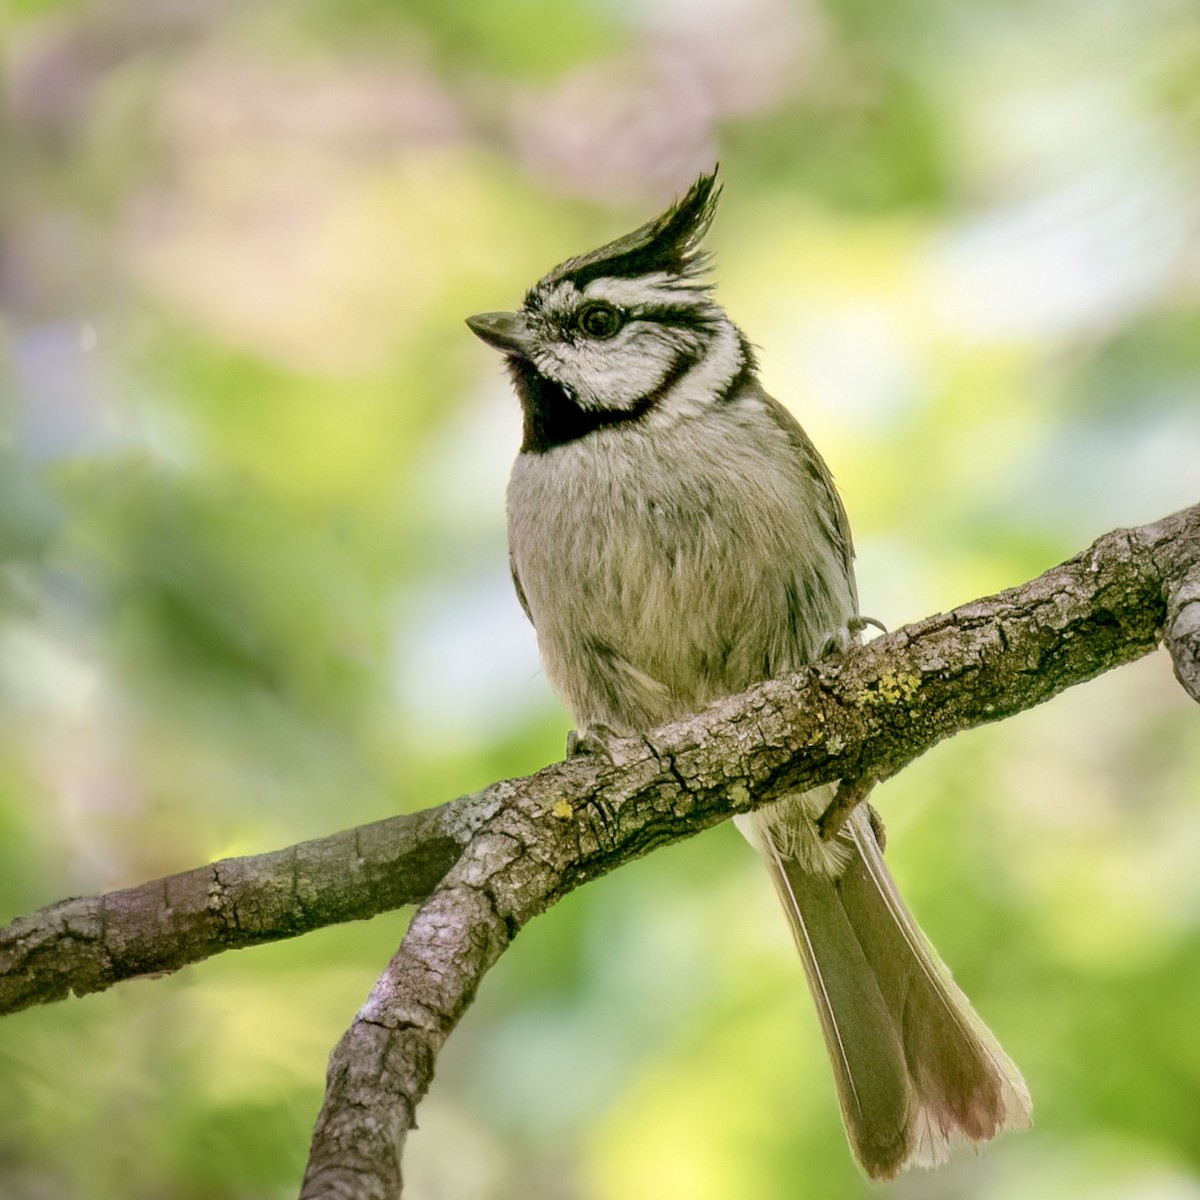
x: 599, y: 320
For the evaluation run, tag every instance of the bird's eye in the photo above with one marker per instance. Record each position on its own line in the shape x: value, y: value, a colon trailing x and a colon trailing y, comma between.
x: 599, y: 320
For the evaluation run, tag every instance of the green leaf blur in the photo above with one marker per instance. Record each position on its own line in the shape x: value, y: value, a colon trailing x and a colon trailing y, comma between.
x: 254, y: 585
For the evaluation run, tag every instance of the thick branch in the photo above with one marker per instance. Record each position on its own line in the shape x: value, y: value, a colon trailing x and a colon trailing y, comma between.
x: 88, y: 944
x: 862, y: 716
x: 1182, y: 634
x: 381, y: 1068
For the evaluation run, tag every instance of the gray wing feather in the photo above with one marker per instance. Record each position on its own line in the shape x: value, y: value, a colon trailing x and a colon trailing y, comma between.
x: 832, y: 511
x: 512, y: 566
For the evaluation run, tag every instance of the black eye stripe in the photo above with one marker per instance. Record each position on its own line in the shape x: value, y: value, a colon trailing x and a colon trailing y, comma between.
x: 678, y: 316
x: 694, y: 318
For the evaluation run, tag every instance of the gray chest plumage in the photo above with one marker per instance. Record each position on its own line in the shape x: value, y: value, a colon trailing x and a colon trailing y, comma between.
x: 664, y: 564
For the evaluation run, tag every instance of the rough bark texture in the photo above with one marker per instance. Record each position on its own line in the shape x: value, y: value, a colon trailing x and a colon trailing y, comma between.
x: 382, y: 1066
x: 88, y: 944
x: 1182, y: 634
x: 485, y: 864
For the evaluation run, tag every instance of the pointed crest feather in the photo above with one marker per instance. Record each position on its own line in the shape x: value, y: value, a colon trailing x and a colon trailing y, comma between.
x: 670, y: 243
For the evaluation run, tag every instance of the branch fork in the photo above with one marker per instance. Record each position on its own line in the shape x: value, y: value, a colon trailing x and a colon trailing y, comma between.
x: 481, y: 866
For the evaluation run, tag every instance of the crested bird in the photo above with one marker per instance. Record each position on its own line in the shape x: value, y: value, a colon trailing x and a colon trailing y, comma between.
x: 675, y: 537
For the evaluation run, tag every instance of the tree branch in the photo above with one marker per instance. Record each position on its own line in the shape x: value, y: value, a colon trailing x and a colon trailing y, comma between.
x: 381, y: 1068
x: 88, y: 944
x: 1182, y: 635
x: 863, y: 715
x: 485, y: 864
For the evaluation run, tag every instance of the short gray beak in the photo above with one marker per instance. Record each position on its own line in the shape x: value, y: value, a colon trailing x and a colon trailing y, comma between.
x: 505, y: 330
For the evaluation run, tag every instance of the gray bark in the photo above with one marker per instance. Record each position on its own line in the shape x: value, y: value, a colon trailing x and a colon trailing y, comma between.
x: 483, y: 865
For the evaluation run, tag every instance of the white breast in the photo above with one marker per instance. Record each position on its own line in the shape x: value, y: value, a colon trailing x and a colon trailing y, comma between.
x: 666, y: 565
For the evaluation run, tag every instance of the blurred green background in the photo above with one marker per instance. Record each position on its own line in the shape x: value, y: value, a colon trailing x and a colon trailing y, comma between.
x: 254, y: 584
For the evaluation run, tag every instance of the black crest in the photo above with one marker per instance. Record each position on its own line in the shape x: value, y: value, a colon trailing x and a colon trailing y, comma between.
x: 670, y: 243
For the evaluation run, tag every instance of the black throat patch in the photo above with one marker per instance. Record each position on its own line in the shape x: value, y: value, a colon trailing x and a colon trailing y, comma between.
x: 553, y: 418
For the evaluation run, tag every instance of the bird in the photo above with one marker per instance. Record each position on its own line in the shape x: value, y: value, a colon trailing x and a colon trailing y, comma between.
x: 675, y: 537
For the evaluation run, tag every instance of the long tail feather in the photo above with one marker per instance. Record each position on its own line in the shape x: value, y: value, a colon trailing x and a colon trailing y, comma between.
x: 916, y: 1068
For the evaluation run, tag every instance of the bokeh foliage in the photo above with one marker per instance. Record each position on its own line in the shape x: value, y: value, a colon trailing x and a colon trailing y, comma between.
x: 254, y: 585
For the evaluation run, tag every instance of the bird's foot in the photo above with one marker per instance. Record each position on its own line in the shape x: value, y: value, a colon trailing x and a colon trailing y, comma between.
x: 858, y: 626
x: 849, y: 635
x: 595, y: 740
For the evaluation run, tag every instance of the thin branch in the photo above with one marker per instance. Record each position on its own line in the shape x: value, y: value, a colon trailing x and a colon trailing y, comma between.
x: 862, y: 715
x: 850, y: 794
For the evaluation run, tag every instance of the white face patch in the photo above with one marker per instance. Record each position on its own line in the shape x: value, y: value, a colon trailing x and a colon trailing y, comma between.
x: 646, y: 354
x: 615, y: 373
x: 708, y: 379
x: 646, y: 290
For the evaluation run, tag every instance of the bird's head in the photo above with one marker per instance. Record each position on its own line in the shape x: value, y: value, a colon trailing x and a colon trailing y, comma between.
x: 609, y: 336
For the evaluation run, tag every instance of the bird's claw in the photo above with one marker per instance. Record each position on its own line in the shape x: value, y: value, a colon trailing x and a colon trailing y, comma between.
x: 849, y: 635
x: 592, y: 741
